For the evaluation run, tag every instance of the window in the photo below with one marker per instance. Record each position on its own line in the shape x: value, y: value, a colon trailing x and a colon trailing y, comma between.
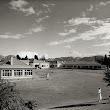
x: 7, y: 72
x: 18, y: 72
x: 28, y: 72
x: 43, y: 65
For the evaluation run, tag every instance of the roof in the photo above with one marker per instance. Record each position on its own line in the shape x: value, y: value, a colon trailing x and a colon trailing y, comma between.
x: 14, y: 63
x: 25, y: 61
x: 83, y: 63
x: 39, y: 61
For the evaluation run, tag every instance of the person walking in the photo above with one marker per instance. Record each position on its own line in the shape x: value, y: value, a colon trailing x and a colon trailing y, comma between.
x: 99, y: 95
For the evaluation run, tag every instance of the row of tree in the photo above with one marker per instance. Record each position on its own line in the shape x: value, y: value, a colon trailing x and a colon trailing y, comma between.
x: 26, y: 57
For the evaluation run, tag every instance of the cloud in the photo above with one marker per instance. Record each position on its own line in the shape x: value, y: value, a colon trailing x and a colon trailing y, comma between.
x: 83, y: 14
x: 67, y: 33
x: 104, y: 3
x: 41, y: 19
x: 67, y: 46
x: 35, y: 30
x: 68, y: 40
x: 28, y: 53
x: 84, y: 20
x: 91, y: 8
x: 103, y: 44
x: 100, y: 30
x: 75, y: 53
x: 21, y: 5
x: 48, y: 7
x: 9, y: 35
x: 44, y: 55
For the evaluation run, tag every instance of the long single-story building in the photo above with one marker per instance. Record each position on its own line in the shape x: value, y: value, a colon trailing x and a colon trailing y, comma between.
x: 15, y: 69
x: 82, y: 65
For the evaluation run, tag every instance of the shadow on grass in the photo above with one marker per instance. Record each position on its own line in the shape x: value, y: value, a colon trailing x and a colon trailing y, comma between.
x: 81, y: 105
x: 76, y: 105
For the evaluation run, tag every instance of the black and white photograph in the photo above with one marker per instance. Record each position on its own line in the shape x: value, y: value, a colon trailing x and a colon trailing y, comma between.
x: 54, y: 54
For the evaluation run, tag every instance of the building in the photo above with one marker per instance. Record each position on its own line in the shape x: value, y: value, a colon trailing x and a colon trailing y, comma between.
x: 39, y: 64
x: 25, y: 61
x: 55, y: 63
x: 82, y: 65
x: 12, y: 68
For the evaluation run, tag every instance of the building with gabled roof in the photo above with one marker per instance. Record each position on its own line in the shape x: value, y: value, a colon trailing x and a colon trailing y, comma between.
x: 13, y: 68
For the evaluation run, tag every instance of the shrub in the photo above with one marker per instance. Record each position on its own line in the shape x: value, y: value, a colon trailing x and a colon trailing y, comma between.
x: 107, y: 77
x: 10, y: 98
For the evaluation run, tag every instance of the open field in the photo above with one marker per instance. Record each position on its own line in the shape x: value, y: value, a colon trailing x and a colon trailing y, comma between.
x: 65, y: 87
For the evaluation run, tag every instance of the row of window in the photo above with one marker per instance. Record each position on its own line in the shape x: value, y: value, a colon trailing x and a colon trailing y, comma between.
x: 16, y: 72
x: 70, y: 66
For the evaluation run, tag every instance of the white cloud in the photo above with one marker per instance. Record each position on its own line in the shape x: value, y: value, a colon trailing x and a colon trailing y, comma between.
x: 9, y: 35
x: 67, y: 46
x: 28, y: 53
x: 91, y: 8
x: 101, y: 30
x: 68, y: 40
x: 75, y: 53
x: 44, y: 55
x: 35, y: 30
x: 83, y: 14
x: 47, y: 7
x: 104, y: 3
x: 84, y: 20
x: 103, y: 44
x: 21, y: 5
x: 41, y: 19
x: 67, y: 33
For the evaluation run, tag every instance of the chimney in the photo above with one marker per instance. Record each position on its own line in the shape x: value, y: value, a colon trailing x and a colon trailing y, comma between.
x: 11, y: 60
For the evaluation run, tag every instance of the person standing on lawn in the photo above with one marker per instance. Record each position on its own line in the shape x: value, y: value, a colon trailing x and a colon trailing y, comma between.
x: 99, y: 95
x: 48, y: 76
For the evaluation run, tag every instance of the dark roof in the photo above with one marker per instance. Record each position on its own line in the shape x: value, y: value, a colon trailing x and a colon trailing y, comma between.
x: 82, y: 63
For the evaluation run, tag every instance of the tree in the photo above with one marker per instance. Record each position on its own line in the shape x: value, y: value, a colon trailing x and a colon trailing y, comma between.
x: 36, y: 57
x: 10, y: 98
x: 107, y: 77
x: 43, y: 57
x: 18, y: 57
x: 26, y: 57
x: 106, y: 61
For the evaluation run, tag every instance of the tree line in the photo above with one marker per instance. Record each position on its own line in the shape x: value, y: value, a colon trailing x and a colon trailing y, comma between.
x: 26, y: 57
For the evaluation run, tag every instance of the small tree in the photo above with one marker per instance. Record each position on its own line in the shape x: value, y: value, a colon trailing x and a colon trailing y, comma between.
x: 36, y: 57
x: 18, y: 57
x: 107, y: 77
x: 106, y: 61
x: 26, y: 57
x: 43, y: 57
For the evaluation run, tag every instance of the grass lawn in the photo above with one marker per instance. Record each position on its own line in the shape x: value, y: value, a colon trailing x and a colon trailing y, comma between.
x: 65, y: 87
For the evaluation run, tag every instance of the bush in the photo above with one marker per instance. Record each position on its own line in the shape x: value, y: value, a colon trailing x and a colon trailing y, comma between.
x: 107, y: 77
x: 10, y: 98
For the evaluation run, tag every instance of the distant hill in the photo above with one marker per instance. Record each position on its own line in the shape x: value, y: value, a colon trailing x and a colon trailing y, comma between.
x: 6, y: 57
x: 98, y: 59
x: 1, y: 57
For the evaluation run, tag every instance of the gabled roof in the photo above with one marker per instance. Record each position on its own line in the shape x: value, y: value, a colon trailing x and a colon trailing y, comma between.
x: 14, y: 63
x: 39, y: 61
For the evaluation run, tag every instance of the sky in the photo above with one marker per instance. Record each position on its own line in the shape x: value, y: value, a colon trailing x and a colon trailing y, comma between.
x: 54, y: 28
